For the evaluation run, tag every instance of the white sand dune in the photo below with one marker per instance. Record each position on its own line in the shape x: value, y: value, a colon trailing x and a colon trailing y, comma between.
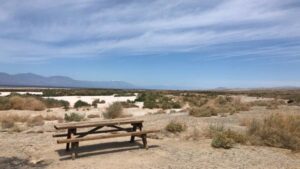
x: 89, y: 99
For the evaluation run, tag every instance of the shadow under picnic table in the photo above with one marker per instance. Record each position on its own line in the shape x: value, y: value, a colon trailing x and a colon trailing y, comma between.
x: 103, y: 148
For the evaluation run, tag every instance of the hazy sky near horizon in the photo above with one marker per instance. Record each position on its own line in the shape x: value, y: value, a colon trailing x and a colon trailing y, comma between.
x: 183, y: 43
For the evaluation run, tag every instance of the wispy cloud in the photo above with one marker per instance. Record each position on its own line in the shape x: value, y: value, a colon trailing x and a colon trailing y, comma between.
x: 39, y: 30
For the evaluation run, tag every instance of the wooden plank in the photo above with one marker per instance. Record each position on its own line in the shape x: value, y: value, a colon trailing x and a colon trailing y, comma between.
x: 87, y: 138
x: 87, y: 132
x: 96, y: 123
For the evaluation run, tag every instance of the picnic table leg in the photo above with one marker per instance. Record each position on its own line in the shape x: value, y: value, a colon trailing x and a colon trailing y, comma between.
x: 132, y: 137
x: 144, y: 138
x: 68, y: 136
x: 140, y: 126
x: 74, y: 145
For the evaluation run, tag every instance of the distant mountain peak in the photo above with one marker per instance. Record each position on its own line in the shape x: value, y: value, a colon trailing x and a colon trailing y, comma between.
x: 31, y: 79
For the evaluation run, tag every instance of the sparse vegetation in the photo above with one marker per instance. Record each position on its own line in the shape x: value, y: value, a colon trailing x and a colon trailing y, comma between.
x: 156, y: 100
x: 81, y: 103
x: 225, y: 138
x: 52, y: 103
x: 176, y: 127
x: 128, y: 104
x: 203, y: 111
x: 277, y: 130
x: 7, y: 123
x: 217, y: 105
x: 269, y: 104
x: 74, y: 117
x: 28, y: 102
x: 95, y: 103
x: 115, y: 110
x: 36, y: 121
x: 93, y: 116
x: 52, y: 117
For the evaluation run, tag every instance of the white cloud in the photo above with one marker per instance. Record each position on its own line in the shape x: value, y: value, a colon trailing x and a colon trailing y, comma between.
x: 73, y: 28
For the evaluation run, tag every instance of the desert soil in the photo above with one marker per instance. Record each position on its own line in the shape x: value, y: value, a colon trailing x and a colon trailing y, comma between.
x: 36, y: 148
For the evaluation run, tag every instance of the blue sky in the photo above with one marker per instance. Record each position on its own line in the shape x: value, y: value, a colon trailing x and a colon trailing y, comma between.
x: 182, y: 43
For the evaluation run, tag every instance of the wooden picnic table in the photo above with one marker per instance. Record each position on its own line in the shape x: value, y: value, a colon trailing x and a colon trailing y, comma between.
x: 112, y: 127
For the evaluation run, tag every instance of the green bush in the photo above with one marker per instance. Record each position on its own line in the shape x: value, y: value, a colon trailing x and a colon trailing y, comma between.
x: 73, y: 117
x: 80, y: 103
x: 175, y: 127
x: 157, y: 100
x: 115, y: 110
x: 52, y: 103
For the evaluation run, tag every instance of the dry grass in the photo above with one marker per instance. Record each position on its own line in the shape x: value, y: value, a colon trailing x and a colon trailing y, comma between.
x: 194, y: 135
x: 115, y: 110
x: 205, y: 111
x: 219, y: 105
x: 277, y: 130
x: 7, y: 123
x: 74, y: 117
x: 93, y: 116
x: 35, y: 121
x: 52, y: 118
x: 26, y: 103
x: 269, y: 104
x: 225, y: 138
x: 176, y: 127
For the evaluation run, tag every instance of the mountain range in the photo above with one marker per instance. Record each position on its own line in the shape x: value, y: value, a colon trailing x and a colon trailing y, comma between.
x: 34, y: 80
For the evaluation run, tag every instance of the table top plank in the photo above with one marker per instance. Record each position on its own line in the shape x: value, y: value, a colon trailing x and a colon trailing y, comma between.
x: 96, y: 123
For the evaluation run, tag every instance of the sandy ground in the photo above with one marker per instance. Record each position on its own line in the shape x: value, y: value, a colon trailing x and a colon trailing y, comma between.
x: 167, y: 152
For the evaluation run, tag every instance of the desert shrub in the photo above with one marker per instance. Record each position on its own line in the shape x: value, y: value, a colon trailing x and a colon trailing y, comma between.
x: 52, y: 117
x: 81, y: 103
x: 26, y: 103
x: 36, y: 121
x: 73, y: 117
x: 93, y: 116
x: 276, y: 130
x: 128, y: 104
x: 14, y: 118
x: 269, y: 104
x: 175, y: 127
x: 220, y: 140
x: 115, y: 110
x: 95, y: 103
x: 203, y: 111
x: 52, y: 103
x: 32, y: 103
x: 225, y: 138
x: 160, y: 112
x: 7, y: 123
x: 17, y: 102
x: 157, y: 100
x: 4, y: 103
x: 222, y: 100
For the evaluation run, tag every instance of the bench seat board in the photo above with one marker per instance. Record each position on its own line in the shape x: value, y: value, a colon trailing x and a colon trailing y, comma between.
x: 87, y: 138
x: 96, y: 123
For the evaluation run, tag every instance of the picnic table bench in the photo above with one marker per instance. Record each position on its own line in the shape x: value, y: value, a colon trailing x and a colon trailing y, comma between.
x: 115, y: 126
